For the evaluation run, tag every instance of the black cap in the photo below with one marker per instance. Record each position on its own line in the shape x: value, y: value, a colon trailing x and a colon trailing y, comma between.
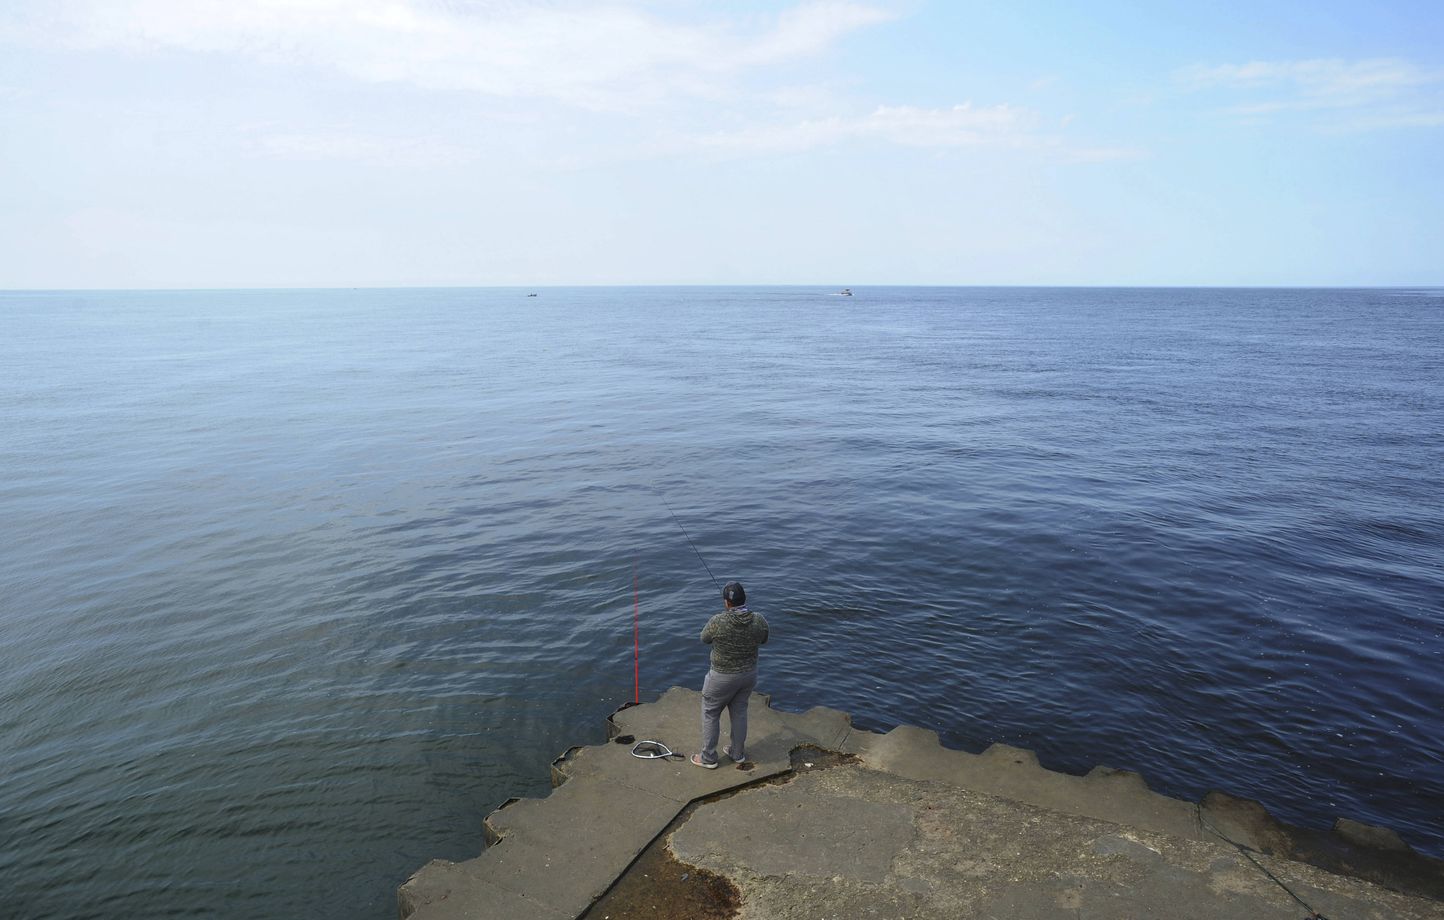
x: 734, y: 594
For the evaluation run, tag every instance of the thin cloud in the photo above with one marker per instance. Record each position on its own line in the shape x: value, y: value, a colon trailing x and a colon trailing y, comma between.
x: 1363, y: 94
x: 1330, y: 80
x: 957, y: 127
x: 1383, y: 120
x: 621, y: 55
x: 592, y: 55
x: 315, y: 146
x: 1103, y: 154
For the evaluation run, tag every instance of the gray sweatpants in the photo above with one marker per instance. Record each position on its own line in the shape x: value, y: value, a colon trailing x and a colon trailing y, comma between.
x: 730, y: 692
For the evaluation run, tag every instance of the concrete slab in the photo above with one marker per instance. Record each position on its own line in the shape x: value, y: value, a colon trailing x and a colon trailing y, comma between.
x: 564, y: 875
x: 676, y: 717
x: 677, y: 780
x: 675, y: 720
x: 827, y: 728
x: 445, y: 890
x: 1243, y: 821
x: 1112, y: 795
x: 948, y: 852
x: 905, y: 828
x: 556, y: 855
x: 777, y: 832
x: 521, y: 878
x: 632, y: 815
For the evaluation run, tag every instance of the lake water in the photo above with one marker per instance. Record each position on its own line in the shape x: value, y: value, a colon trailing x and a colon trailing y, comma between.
x: 297, y: 586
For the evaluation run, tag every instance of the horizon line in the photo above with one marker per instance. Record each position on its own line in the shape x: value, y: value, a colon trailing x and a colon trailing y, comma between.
x: 1436, y: 285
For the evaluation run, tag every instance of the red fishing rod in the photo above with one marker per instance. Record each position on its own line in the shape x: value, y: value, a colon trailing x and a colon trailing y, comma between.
x: 636, y: 639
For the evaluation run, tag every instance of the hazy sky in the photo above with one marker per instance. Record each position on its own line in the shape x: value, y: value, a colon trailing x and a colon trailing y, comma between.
x: 217, y: 143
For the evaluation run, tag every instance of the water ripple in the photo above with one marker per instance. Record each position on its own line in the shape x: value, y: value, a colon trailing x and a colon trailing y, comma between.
x: 301, y: 585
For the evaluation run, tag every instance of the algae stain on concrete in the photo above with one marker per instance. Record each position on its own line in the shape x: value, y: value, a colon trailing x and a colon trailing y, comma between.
x: 659, y: 887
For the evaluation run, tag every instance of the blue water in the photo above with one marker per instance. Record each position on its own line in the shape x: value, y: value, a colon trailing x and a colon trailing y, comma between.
x: 297, y: 586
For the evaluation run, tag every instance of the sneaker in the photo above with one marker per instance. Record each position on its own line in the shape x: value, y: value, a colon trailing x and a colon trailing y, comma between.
x: 697, y: 761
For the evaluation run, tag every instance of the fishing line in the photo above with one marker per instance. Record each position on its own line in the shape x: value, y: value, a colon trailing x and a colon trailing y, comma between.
x: 1313, y: 914
x: 636, y: 603
x: 689, y: 538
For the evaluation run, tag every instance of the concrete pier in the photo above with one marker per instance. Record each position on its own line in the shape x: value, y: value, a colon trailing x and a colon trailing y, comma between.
x: 828, y: 821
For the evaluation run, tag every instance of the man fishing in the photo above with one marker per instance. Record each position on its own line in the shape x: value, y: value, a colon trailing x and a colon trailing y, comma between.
x: 734, y: 635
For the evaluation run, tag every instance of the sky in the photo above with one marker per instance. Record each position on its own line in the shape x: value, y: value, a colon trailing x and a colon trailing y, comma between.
x: 297, y: 143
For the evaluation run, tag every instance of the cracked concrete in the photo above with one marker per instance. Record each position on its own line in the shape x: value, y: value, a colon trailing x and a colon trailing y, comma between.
x: 942, y: 852
x: 901, y: 827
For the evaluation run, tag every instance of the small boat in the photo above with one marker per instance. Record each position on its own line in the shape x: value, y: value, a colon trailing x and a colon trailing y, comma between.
x: 531, y: 295
x: 845, y: 292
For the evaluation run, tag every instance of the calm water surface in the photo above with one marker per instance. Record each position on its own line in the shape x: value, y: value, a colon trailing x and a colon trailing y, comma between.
x: 297, y: 586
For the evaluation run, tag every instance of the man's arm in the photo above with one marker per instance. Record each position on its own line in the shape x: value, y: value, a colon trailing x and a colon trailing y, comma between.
x: 710, y: 630
x: 760, y: 623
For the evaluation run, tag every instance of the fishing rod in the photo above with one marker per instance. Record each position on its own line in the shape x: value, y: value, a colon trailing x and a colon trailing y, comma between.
x: 637, y: 607
x: 688, y: 536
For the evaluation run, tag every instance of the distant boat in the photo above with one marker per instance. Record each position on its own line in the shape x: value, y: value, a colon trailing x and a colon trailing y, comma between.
x: 531, y: 295
x: 845, y: 292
